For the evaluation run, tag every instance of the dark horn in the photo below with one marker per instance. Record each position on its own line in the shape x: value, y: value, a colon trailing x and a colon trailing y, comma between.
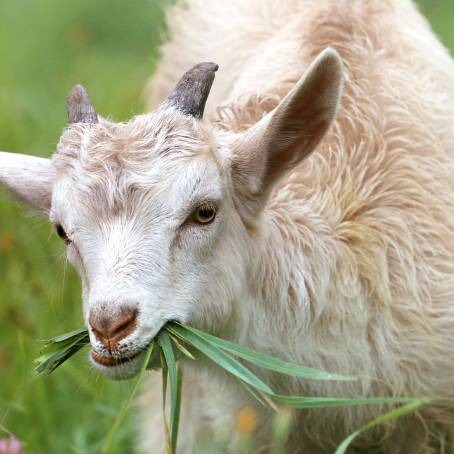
x: 191, y: 92
x: 80, y: 108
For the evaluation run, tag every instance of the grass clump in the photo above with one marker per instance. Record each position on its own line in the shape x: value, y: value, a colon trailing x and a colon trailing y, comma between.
x: 177, y: 337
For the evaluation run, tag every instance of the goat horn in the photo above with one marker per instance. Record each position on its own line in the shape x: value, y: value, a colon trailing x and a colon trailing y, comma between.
x: 79, y: 106
x: 191, y: 92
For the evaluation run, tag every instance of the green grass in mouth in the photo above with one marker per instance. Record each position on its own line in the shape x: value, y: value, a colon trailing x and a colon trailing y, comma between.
x: 176, y: 338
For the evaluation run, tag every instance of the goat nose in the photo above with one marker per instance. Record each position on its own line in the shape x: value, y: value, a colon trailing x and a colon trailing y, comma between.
x: 110, y: 330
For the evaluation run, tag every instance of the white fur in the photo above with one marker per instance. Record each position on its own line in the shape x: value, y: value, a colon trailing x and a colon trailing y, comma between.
x: 346, y: 263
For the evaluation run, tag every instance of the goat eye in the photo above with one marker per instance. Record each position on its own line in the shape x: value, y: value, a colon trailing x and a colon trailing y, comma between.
x: 62, y: 234
x: 205, y: 214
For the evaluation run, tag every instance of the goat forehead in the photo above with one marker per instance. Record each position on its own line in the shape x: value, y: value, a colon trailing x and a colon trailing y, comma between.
x: 112, y: 167
x: 163, y: 187
x: 139, y: 142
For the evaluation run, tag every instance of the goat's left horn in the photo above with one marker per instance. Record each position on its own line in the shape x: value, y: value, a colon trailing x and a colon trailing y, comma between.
x: 79, y: 106
x: 191, y: 92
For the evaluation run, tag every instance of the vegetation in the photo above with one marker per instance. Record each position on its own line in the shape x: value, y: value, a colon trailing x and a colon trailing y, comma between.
x: 46, y: 47
x: 175, y: 338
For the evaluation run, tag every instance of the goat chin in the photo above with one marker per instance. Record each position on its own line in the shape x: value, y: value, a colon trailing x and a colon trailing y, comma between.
x: 122, y: 371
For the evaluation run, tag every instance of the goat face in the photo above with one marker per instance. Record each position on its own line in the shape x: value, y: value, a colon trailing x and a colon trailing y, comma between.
x: 150, y: 226
x: 157, y: 212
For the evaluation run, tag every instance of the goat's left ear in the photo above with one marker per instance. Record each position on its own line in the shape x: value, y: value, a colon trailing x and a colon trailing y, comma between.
x: 28, y: 178
x: 288, y: 134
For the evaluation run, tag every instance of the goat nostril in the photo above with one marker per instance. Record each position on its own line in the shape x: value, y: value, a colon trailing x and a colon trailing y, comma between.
x: 114, y: 329
x: 124, y: 324
x: 120, y: 328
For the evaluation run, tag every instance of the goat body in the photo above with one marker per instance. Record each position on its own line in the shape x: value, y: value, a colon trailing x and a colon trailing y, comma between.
x: 352, y: 262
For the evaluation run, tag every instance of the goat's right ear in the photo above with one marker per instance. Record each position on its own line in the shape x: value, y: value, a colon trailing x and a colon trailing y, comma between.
x: 288, y: 134
x: 28, y: 178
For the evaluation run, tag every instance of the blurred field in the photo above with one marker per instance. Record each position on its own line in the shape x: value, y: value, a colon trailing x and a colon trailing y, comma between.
x: 45, y: 48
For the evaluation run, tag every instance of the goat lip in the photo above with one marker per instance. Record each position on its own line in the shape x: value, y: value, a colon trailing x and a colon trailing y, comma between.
x: 110, y: 361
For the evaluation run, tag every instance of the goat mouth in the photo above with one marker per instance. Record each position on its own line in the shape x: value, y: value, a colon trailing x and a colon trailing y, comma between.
x: 110, y: 361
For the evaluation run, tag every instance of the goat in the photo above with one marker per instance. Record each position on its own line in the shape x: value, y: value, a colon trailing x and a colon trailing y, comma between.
x: 308, y: 214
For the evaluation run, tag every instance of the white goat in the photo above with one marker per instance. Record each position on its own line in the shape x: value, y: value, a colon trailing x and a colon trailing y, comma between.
x: 342, y: 260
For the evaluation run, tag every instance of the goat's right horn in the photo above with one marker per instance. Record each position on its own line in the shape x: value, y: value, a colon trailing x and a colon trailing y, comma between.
x: 191, y: 92
x: 79, y: 106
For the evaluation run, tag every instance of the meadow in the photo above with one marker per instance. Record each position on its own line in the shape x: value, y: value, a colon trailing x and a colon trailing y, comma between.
x: 47, y: 47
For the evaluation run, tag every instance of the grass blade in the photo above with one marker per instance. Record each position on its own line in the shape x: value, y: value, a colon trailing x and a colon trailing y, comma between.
x: 164, y: 397
x: 80, y: 334
x: 389, y: 416
x: 266, y: 361
x: 220, y: 357
x: 326, y: 402
x: 176, y: 418
x: 181, y: 347
x: 262, y: 398
x: 175, y: 390
x: 121, y: 414
x: 57, y: 350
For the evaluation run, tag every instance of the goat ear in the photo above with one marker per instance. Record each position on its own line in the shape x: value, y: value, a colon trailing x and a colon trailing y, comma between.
x: 288, y: 134
x: 28, y: 178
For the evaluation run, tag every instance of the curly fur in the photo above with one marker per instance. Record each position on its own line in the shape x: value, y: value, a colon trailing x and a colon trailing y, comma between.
x: 351, y: 267
x: 341, y: 259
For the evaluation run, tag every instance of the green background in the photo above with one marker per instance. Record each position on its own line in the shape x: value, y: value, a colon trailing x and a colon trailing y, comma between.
x: 46, y: 47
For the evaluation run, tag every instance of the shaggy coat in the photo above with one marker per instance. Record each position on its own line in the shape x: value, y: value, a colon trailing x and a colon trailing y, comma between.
x: 329, y: 243
x: 352, y: 261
